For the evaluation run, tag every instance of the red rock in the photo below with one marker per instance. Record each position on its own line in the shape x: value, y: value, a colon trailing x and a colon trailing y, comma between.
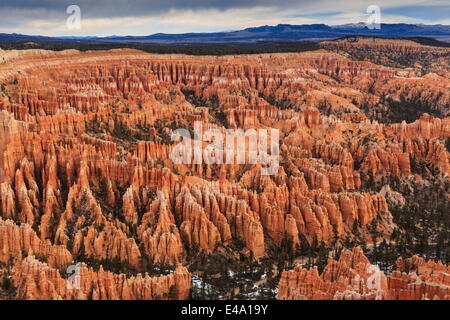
x: 35, y: 280
x: 14, y: 240
x: 74, y: 163
x: 352, y: 277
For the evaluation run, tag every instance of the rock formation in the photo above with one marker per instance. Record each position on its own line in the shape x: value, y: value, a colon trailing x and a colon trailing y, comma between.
x: 35, y: 280
x: 18, y: 240
x: 352, y: 277
x: 86, y: 172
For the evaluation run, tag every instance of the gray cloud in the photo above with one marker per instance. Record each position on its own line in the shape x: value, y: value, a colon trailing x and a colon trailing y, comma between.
x: 120, y: 8
x: 138, y: 8
x: 106, y: 17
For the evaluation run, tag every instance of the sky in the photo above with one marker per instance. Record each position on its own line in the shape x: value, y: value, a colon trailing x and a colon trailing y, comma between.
x: 144, y: 17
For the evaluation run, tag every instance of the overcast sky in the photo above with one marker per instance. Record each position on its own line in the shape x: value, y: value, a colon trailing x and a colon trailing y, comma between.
x: 143, y: 17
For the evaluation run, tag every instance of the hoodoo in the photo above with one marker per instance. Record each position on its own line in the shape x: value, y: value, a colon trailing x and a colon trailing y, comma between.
x: 87, y: 175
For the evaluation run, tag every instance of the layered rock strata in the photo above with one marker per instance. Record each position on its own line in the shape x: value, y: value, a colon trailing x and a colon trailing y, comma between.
x: 353, y: 277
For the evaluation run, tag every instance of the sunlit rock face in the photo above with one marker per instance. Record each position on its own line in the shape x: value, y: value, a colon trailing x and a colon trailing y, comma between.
x: 35, y: 280
x: 352, y: 277
x: 86, y: 172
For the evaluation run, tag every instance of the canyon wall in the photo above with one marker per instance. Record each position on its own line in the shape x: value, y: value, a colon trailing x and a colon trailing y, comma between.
x: 353, y: 277
x: 86, y: 173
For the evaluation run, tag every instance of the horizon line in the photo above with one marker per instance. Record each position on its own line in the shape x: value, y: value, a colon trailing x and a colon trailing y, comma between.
x: 214, y: 32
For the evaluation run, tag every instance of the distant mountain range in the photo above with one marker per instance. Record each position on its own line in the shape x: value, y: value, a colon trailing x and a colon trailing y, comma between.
x: 281, y: 32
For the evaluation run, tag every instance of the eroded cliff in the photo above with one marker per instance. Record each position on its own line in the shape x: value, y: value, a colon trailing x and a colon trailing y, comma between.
x: 86, y: 173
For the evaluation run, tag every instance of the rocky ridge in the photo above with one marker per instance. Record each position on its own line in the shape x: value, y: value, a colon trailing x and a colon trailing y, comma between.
x: 85, y: 170
x: 353, y: 277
